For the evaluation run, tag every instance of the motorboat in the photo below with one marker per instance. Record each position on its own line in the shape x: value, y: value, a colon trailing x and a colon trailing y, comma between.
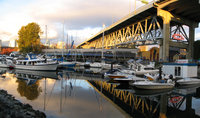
x: 129, y: 79
x: 155, y: 77
x: 149, y: 85
x: 141, y: 69
x: 116, y: 73
x: 150, y: 92
x: 102, y: 65
x: 188, y: 81
x: 36, y: 64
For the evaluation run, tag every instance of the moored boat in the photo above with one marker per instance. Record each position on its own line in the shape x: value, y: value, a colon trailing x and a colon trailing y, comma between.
x: 129, y: 79
x: 6, y: 63
x: 115, y: 73
x: 152, y: 85
x: 67, y: 64
x: 35, y: 64
x: 188, y: 81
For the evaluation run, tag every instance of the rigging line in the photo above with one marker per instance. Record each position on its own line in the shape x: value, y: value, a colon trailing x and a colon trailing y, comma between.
x: 94, y: 50
x: 98, y: 101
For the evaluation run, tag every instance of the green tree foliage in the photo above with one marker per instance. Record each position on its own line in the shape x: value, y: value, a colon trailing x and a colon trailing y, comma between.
x: 196, y: 49
x: 29, y: 39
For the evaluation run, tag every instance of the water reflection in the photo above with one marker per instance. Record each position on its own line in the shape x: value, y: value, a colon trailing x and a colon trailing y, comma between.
x: 82, y: 93
x: 31, y: 92
x: 154, y: 103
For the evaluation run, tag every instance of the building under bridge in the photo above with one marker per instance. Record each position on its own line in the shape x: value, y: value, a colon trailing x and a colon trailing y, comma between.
x: 93, y: 54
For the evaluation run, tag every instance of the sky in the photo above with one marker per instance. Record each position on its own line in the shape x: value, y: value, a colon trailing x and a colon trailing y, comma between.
x: 81, y: 19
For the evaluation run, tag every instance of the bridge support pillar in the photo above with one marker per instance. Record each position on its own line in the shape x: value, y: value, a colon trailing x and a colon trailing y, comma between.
x: 166, y: 37
x: 190, y: 42
x: 166, y: 16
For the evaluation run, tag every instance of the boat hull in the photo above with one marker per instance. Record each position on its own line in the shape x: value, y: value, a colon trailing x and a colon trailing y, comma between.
x: 152, y: 85
x: 116, y: 76
x: 188, y: 82
x: 4, y: 65
x: 67, y: 65
x: 37, y: 67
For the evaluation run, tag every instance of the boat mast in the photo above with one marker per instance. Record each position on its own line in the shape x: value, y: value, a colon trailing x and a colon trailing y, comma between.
x: 46, y: 39
x: 102, y: 42
x: 63, y: 38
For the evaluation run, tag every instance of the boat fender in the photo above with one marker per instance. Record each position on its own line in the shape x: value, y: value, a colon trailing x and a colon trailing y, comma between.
x: 170, y: 76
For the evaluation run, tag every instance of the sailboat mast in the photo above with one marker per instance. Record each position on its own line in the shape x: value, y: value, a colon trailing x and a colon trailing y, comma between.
x: 63, y: 39
x: 46, y: 39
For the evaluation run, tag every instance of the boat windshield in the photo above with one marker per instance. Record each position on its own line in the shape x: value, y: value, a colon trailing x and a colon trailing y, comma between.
x: 148, y: 68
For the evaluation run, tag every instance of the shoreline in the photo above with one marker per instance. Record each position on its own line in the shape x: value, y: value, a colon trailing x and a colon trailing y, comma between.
x: 12, y: 108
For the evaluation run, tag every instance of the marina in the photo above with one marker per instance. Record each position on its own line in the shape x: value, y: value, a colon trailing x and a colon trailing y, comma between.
x: 68, y: 60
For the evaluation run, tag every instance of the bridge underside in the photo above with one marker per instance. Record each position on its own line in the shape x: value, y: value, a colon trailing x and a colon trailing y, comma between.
x: 167, y: 23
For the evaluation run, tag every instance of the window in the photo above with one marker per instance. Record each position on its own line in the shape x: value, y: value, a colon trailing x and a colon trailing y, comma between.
x: 177, y: 71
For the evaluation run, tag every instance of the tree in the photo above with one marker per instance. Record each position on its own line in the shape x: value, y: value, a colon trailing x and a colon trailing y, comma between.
x: 29, y: 39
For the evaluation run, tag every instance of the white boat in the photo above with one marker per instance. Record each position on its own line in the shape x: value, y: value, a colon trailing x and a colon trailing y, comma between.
x: 129, y: 79
x: 150, y: 92
x: 115, y: 73
x: 188, y: 81
x: 155, y: 77
x: 7, y: 63
x: 149, y: 85
x: 140, y: 69
x: 102, y: 65
x: 35, y: 64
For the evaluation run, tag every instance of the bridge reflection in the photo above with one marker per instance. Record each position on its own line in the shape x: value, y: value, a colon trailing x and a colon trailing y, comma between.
x: 140, y: 103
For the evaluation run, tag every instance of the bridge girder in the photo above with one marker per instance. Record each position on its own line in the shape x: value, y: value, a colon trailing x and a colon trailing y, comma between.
x: 153, y: 25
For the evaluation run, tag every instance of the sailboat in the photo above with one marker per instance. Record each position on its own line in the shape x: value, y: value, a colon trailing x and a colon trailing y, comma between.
x: 102, y: 64
x: 66, y: 64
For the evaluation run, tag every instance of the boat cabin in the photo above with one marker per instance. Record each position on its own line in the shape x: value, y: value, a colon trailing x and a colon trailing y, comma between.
x: 30, y: 62
x: 180, y: 69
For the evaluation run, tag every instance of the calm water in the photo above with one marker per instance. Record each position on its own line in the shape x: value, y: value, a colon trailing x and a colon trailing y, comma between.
x: 68, y: 94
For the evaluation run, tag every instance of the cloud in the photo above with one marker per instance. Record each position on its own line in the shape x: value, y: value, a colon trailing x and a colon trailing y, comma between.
x: 78, y: 16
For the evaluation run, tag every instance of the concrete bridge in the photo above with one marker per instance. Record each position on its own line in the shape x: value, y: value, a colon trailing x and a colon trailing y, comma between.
x: 167, y: 23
